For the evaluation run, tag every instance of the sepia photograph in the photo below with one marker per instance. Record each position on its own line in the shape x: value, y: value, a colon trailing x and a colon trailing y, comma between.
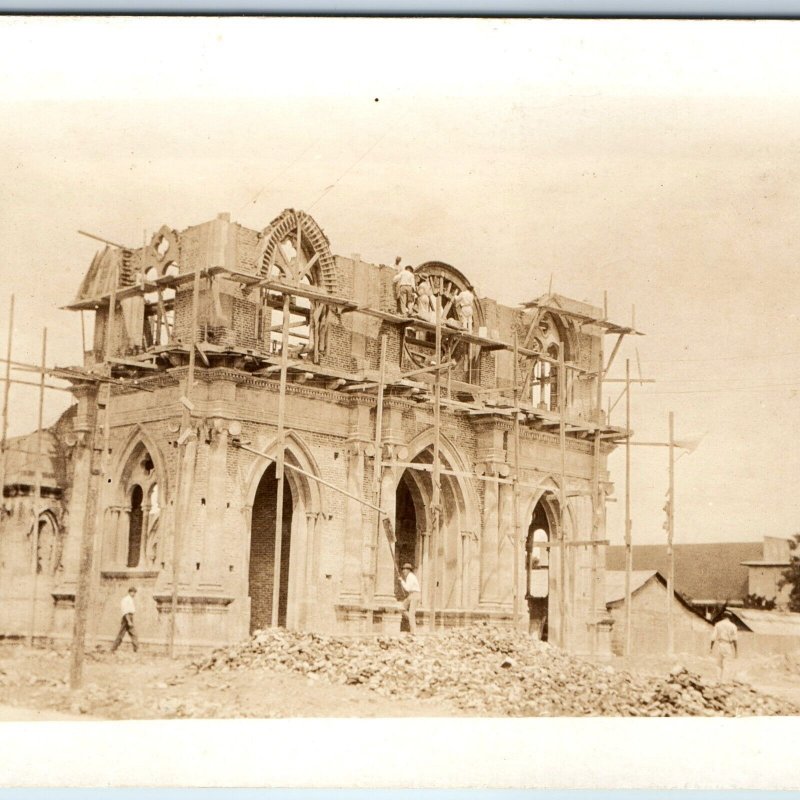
x: 380, y: 368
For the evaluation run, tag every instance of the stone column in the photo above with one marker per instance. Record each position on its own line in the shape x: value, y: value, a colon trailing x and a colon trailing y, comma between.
x: 211, y: 552
x: 489, y: 542
x: 505, y: 552
x: 385, y: 568
x: 352, y: 588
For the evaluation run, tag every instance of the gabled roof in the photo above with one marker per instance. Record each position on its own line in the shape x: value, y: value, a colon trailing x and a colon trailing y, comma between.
x: 615, y: 587
x: 709, y: 572
x: 615, y: 583
x: 774, y: 623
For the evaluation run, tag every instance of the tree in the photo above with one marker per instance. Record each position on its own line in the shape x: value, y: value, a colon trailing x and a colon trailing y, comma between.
x: 791, y: 575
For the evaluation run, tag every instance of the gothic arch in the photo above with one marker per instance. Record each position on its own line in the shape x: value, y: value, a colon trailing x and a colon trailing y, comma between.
x: 141, y: 436
x: 314, y: 247
x: 297, y: 453
x: 447, y: 279
x: 466, y: 495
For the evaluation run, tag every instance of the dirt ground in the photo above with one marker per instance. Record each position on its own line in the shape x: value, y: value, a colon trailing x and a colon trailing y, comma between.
x: 145, y: 686
x: 34, y: 686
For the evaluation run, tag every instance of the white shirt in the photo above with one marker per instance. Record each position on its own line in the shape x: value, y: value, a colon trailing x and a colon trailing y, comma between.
x: 410, y: 584
x: 405, y: 278
x: 127, y: 606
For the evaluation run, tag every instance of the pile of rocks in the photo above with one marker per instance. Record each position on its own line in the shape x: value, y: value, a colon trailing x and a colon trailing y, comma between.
x: 490, y: 670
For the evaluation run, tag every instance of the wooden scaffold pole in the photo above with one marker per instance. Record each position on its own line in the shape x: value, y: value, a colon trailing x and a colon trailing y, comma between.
x: 98, y: 467
x: 279, y: 461
x: 628, y: 539
x: 597, y: 503
x: 518, y: 543
x: 37, y: 492
x: 6, y: 388
x: 436, y: 474
x: 378, y: 467
x: 562, y: 500
x: 180, y: 482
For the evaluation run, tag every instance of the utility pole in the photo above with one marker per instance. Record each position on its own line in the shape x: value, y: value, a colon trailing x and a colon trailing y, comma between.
x: 670, y: 537
x: 628, y: 541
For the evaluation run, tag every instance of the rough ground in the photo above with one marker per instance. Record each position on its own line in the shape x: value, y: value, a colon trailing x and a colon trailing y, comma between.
x: 478, y: 671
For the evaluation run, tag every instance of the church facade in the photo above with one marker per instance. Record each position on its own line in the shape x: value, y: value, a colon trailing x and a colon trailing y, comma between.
x: 513, y: 531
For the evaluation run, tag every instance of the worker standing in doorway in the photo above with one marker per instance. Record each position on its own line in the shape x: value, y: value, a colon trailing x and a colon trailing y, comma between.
x: 410, y: 585
x: 724, y: 637
x: 128, y: 609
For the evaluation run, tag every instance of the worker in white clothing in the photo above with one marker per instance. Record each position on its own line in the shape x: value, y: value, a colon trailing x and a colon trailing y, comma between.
x: 410, y: 584
x: 404, y: 285
x: 465, y: 300
x: 128, y: 609
x: 724, y: 637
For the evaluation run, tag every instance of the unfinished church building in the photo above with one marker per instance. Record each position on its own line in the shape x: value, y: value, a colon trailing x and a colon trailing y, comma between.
x: 223, y: 357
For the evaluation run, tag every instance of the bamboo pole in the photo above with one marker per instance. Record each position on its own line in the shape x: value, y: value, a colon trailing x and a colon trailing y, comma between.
x: 628, y: 540
x: 517, y: 477
x: 281, y: 457
x: 6, y: 388
x: 670, y: 537
x: 436, y: 476
x: 562, y: 501
x: 180, y: 482
x: 37, y: 493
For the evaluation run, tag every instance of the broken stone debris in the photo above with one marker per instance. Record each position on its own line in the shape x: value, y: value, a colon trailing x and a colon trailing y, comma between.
x: 490, y: 670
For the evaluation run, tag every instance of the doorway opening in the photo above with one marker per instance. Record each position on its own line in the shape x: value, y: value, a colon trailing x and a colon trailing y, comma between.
x: 261, y: 577
x: 537, y: 570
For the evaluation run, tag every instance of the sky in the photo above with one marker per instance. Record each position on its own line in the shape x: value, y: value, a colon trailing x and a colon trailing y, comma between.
x: 652, y: 160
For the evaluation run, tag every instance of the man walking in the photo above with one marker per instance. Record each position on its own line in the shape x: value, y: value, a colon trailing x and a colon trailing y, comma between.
x: 724, y: 638
x: 410, y: 586
x: 128, y: 609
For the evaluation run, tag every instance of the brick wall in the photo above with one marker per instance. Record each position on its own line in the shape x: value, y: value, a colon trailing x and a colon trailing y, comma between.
x: 262, y: 552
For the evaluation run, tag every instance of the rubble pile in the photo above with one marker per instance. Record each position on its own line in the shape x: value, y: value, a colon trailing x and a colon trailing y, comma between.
x: 490, y: 670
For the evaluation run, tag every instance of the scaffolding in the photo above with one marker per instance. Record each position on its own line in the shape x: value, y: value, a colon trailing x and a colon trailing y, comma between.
x: 296, y: 302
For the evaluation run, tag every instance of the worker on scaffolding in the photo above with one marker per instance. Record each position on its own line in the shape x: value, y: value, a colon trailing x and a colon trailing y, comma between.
x: 465, y: 301
x: 425, y: 307
x: 404, y: 285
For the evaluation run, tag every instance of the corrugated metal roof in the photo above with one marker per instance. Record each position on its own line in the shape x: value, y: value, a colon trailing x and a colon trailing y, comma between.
x: 774, y: 623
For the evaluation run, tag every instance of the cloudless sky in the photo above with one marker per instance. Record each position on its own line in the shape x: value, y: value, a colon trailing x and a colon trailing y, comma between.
x: 657, y: 161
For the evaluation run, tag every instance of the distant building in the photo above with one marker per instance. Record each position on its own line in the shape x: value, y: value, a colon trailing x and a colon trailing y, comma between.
x: 764, y: 575
x: 692, y: 631
x: 709, y: 575
x: 715, y: 575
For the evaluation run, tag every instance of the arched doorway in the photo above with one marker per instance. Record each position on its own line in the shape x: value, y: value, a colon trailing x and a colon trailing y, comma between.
x: 537, y: 567
x: 262, y: 551
x: 438, y: 556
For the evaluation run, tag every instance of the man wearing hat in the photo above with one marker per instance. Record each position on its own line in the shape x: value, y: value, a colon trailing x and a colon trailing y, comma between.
x: 410, y: 584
